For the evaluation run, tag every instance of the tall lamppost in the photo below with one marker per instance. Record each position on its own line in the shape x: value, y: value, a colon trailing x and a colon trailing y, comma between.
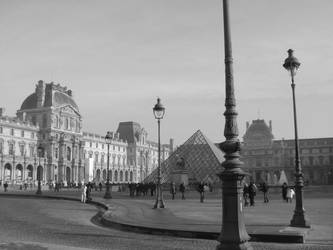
x: 108, y: 139
x: 39, y: 151
x: 292, y: 64
x: 233, y: 233
x: 159, y: 111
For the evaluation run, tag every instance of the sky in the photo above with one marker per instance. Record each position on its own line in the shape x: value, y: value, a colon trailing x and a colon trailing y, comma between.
x: 119, y: 56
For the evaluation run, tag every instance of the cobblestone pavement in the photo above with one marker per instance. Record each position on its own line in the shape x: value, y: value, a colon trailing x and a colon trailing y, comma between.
x: 55, y: 224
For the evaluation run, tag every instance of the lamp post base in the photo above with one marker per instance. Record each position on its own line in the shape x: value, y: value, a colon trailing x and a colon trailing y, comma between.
x: 159, y: 204
x: 234, y: 246
x: 299, y: 220
x: 107, y: 194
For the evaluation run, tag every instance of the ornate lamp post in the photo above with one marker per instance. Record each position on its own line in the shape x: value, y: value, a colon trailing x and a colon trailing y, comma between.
x: 107, y: 194
x: 39, y: 151
x: 233, y: 233
x: 159, y: 111
x: 291, y: 64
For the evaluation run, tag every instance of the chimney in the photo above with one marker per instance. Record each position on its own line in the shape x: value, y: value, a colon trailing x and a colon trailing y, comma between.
x: 2, y: 111
x: 247, y: 125
x: 171, y: 145
x: 270, y: 125
x: 40, y: 92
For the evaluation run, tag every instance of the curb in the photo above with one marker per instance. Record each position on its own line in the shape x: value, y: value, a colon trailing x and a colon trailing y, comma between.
x: 256, y: 237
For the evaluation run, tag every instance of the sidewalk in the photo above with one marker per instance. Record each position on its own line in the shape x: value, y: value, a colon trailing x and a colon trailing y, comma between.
x: 192, y: 219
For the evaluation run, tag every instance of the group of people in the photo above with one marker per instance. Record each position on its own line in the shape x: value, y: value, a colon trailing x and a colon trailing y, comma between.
x: 250, y: 191
x: 139, y: 189
x: 86, y: 192
x: 173, y: 190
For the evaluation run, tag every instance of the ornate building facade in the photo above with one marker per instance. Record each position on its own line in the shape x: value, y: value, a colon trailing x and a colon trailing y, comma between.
x: 50, y: 119
x: 272, y: 160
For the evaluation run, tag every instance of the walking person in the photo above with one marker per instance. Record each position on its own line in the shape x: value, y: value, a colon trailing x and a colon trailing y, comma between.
x: 290, y: 194
x: 173, y: 190
x: 5, y: 186
x: 201, y: 189
x: 264, y: 189
x: 84, y: 194
x: 252, y: 192
x: 182, y: 190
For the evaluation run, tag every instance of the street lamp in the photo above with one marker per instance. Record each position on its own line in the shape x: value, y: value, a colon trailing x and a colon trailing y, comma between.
x: 107, y: 194
x: 159, y: 111
x: 292, y: 64
x: 233, y: 233
x: 39, y: 151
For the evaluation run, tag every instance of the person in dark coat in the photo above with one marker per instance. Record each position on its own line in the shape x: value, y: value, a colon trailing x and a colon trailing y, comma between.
x: 182, y: 190
x: 100, y: 186
x: 201, y: 189
x: 264, y: 189
x: 252, y: 192
x: 5, y: 185
x: 173, y: 190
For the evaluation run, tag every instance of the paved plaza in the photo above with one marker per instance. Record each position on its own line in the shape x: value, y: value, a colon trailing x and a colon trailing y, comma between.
x: 61, y: 224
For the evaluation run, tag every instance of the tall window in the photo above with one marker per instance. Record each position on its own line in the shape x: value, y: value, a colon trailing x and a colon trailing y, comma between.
x: 1, y: 147
x: 67, y: 123
x: 22, y: 149
x: 11, y: 149
x: 56, y: 153
x: 11, y: 131
x: 68, y: 153
x: 1, y: 130
x: 22, y: 133
x: 32, y: 135
x: 34, y: 120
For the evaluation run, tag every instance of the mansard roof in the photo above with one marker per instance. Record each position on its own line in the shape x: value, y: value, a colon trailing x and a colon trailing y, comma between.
x: 54, y: 96
x: 258, y: 128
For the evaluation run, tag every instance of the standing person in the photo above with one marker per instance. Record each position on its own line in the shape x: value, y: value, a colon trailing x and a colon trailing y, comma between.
x: 201, y: 189
x: 5, y: 185
x: 264, y: 189
x: 290, y: 194
x: 182, y: 190
x: 173, y: 190
x: 246, y: 194
x: 252, y: 192
x: 84, y: 194
x: 284, y: 191
x: 100, y: 186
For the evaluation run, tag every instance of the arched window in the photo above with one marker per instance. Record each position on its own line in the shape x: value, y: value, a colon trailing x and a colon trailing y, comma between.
x: 121, y: 176
x: 69, y: 153
x: 116, y: 176
x: 131, y: 176
x: 126, y: 176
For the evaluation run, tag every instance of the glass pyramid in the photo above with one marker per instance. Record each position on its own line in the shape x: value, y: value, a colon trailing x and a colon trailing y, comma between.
x: 202, y: 161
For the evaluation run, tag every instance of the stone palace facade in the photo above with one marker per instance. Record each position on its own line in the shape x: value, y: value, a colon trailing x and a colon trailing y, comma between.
x: 50, y: 119
x: 267, y: 159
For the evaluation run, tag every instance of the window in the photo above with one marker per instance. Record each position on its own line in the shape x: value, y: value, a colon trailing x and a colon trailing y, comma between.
x: 11, y: 149
x: 102, y: 159
x: 66, y: 123
x: 90, y: 144
x: 11, y: 131
x: 56, y: 153
x: 96, y: 144
x: 22, y: 149
x: 1, y: 130
x: 22, y: 133
x: 1, y: 147
x: 34, y: 120
x: 31, y: 149
x: 68, y: 153
x: 32, y: 135
x: 103, y: 146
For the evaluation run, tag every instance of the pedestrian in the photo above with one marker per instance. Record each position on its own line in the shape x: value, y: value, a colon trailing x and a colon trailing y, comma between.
x: 5, y: 185
x: 182, y: 190
x: 290, y: 194
x: 100, y: 187
x: 264, y: 189
x: 246, y: 194
x: 88, y: 191
x: 284, y: 191
x: 201, y: 189
x: 252, y: 192
x: 173, y: 190
x: 84, y: 194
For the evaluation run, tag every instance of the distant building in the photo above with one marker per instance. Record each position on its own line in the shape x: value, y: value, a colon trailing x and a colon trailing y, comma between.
x: 50, y: 118
x: 273, y: 161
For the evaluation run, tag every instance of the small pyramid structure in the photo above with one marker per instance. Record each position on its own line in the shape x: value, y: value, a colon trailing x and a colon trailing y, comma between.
x: 202, y: 161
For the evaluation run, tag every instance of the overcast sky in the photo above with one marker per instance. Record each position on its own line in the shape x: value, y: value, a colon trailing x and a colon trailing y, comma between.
x: 118, y: 56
